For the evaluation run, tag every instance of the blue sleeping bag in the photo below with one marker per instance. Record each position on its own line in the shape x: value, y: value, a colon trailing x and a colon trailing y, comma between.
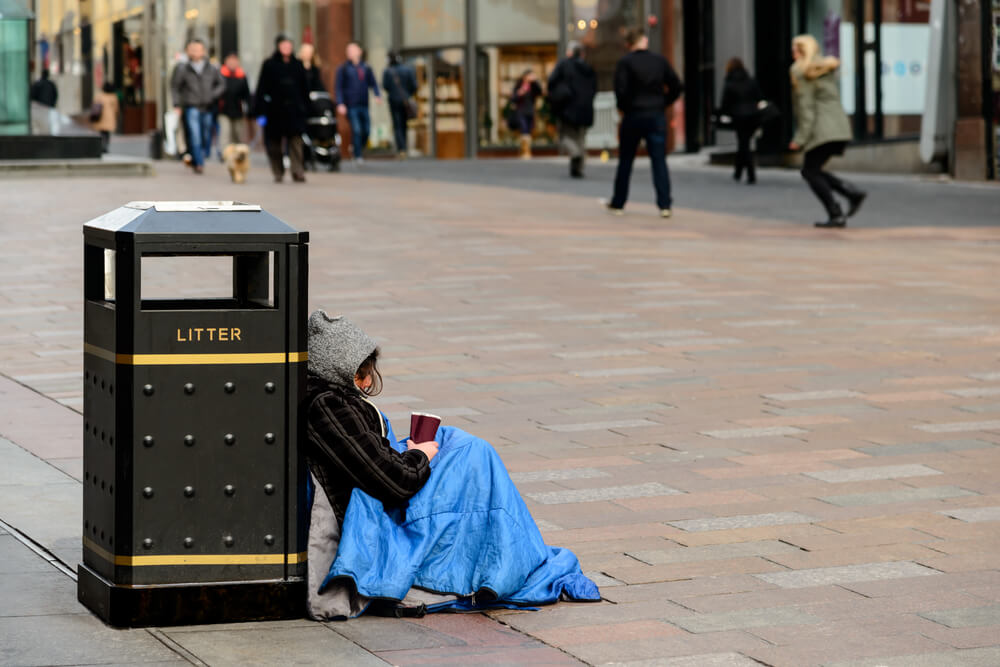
x: 467, y: 532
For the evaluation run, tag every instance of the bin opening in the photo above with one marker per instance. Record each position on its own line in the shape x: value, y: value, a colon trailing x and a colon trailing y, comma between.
x: 208, y: 281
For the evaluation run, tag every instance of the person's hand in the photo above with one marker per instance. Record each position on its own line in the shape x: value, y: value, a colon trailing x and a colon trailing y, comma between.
x: 342, y: 109
x: 177, y: 110
x: 378, y: 99
x: 792, y: 146
x: 429, y: 448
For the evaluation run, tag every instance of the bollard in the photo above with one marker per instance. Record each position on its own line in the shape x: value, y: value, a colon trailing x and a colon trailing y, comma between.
x: 194, y: 500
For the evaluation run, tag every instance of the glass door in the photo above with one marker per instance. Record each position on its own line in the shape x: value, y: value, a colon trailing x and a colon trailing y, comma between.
x: 449, y: 104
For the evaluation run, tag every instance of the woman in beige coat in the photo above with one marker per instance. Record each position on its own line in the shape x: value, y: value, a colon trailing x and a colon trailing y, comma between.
x: 822, y: 128
x: 108, y: 120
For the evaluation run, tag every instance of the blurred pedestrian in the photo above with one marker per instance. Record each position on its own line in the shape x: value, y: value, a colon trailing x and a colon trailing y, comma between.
x: 354, y: 79
x: 399, y: 82
x: 740, y: 97
x: 104, y: 114
x: 522, y: 98
x: 645, y: 86
x: 314, y: 74
x: 571, y: 90
x: 234, y: 103
x: 196, y: 87
x: 44, y: 92
x: 283, y: 98
x: 822, y: 128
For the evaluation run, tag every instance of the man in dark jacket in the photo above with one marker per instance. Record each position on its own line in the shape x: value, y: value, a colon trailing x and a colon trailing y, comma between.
x: 645, y: 86
x: 354, y: 79
x: 234, y: 103
x: 196, y: 86
x: 572, y: 87
x: 400, y: 84
x: 283, y: 98
x: 740, y: 97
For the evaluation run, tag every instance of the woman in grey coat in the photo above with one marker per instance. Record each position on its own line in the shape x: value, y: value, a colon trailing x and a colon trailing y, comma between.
x: 822, y: 128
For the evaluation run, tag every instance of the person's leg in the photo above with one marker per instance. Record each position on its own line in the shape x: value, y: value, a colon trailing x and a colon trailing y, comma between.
x: 105, y: 141
x: 275, y: 154
x: 354, y: 118
x: 812, y: 172
x: 366, y: 127
x: 743, y: 153
x: 192, y: 121
x: 225, y: 132
x: 656, y: 146
x: 629, y: 136
x: 295, y: 155
x: 398, y: 112
x: 207, y: 130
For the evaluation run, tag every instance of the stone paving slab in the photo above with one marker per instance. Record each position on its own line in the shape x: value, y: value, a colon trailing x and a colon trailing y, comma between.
x: 846, y: 574
x: 974, y: 514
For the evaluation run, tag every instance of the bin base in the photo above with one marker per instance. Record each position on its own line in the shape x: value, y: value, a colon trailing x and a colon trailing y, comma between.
x: 190, y: 604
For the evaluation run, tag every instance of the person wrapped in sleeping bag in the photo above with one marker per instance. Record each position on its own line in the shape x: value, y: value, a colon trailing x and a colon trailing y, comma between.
x: 402, y: 528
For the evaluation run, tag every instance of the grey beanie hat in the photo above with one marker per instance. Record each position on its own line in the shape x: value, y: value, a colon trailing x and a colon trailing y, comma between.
x: 337, y: 347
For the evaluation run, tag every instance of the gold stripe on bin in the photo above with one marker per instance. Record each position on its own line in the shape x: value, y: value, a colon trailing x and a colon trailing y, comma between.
x: 196, y: 359
x: 195, y: 559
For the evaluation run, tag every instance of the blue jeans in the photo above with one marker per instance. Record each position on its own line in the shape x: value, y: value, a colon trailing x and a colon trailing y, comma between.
x: 361, y: 126
x: 199, y: 134
x: 652, y: 127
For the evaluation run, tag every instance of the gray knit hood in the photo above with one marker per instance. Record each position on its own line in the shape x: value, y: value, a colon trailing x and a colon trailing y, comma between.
x: 337, y: 347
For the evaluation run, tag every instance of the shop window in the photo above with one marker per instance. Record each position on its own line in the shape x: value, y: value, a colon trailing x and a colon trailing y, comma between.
x: 433, y: 22
x: 522, y: 21
x: 500, y: 67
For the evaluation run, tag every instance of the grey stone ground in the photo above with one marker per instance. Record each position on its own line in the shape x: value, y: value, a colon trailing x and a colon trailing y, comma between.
x: 767, y: 444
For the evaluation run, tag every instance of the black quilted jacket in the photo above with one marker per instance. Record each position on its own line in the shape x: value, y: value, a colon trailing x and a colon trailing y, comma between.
x: 346, y: 449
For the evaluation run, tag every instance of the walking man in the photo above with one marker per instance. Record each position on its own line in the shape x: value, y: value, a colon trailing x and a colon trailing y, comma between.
x: 645, y: 86
x: 354, y: 79
x: 196, y: 86
x: 283, y: 98
x: 44, y: 92
x: 400, y: 84
x: 572, y: 87
x: 234, y: 104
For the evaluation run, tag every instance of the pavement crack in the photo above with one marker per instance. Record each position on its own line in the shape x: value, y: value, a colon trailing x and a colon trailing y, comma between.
x: 159, y: 636
x: 39, y: 549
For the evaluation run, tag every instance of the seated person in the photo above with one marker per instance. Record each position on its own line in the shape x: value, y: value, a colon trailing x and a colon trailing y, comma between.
x: 402, y: 527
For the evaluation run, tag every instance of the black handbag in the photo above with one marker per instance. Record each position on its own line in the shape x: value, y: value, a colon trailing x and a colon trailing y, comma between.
x: 767, y: 112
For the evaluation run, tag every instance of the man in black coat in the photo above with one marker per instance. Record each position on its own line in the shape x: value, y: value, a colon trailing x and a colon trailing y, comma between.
x: 283, y: 98
x: 645, y: 86
x: 44, y: 91
x: 572, y: 87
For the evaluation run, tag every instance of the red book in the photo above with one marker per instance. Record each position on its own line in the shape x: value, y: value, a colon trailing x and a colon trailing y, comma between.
x: 423, y: 427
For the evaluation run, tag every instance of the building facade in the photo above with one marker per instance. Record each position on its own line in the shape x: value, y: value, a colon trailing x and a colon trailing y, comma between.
x: 468, y: 53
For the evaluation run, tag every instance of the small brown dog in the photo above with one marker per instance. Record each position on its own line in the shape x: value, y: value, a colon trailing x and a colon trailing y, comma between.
x: 237, y: 159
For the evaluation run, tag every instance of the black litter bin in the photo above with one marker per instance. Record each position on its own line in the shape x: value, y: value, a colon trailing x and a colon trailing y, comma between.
x: 194, y: 500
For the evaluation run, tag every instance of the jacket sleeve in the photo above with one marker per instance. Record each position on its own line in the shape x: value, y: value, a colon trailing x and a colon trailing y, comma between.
x: 218, y: 85
x: 726, y: 105
x: 260, y: 104
x: 338, y: 86
x: 554, y: 77
x: 675, y: 87
x: 175, y: 85
x: 622, y: 87
x: 805, y: 111
x: 373, y: 83
x: 341, y: 438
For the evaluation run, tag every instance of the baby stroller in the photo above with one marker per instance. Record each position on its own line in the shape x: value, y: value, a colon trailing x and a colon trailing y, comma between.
x: 322, y: 141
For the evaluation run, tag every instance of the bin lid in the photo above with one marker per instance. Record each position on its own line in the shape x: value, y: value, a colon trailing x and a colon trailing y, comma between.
x: 194, y: 221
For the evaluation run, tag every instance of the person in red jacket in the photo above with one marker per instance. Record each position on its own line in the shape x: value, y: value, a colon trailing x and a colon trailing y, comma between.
x: 233, y: 104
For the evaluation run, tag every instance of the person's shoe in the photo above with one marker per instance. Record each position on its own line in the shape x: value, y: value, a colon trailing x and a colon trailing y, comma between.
x: 666, y: 213
x: 279, y: 179
x: 855, y: 200
x: 835, y: 222
x: 298, y: 179
x: 198, y: 169
x: 613, y: 210
x: 737, y: 176
x: 359, y: 161
x: 752, y: 180
x: 187, y: 160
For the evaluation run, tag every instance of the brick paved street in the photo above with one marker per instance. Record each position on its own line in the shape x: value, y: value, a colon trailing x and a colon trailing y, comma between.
x: 768, y: 444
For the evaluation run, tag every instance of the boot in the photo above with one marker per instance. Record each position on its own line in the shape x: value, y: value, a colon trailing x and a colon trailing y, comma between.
x: 525, y: 146
x: 854, y: 195
x: 576, y: 167
x: 836, y: 220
